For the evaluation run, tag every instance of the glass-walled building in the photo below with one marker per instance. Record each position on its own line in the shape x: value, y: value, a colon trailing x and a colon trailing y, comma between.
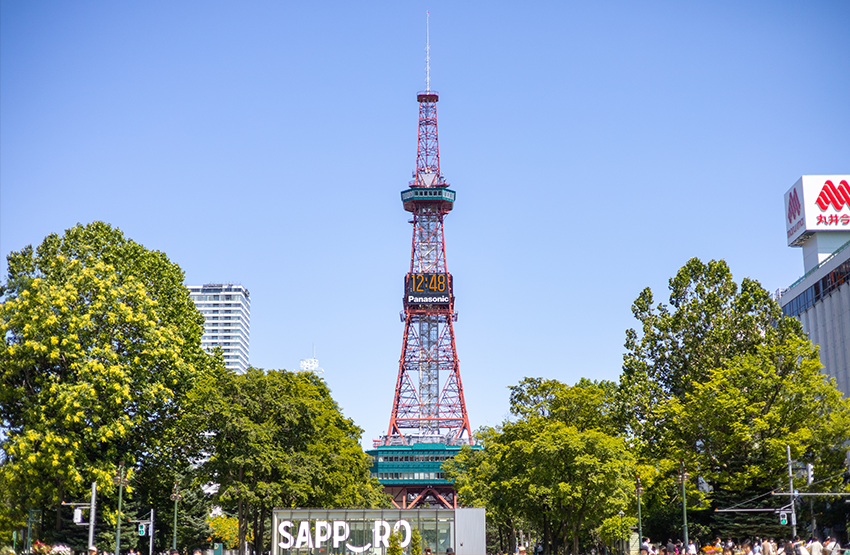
x: 367, y: 531
x: 227, y: 321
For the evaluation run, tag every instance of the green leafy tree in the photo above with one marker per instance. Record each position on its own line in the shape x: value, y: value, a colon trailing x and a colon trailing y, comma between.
x: 100, y: 344
x: 615, y: 531
x: 720, y: 379
x: 395, y: 544
x: 225, y: 529
x: 558, y: 466
x: 277, y: 439
x: 735, y: 426
x: 416, y: 542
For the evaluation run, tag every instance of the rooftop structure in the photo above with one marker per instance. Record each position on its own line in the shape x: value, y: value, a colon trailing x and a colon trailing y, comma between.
x: 817, y: 217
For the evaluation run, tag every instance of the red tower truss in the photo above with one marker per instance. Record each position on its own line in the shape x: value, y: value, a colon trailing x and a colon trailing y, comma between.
x: 428, y: 406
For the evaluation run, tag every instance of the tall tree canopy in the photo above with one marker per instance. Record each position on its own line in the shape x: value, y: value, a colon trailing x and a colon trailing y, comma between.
x: 559, y: 466
x: 100, y: 345
x: 720, y: 379
x: 278, y: 439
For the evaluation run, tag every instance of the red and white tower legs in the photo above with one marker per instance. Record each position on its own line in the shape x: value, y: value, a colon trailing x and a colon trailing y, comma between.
x: 426, y: 409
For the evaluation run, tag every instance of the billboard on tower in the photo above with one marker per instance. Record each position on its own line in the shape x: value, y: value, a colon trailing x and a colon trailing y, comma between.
x: 817, y: 203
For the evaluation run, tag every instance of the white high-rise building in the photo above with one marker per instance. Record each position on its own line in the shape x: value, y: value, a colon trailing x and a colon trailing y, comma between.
x: 227, y: 321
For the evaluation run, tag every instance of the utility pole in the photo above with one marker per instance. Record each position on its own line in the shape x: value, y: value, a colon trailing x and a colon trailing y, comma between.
x: 120, y: 481
x: 639, y: 490
x: 683, y: 479
x: 810, y: 477
x: 175, y: 496
x: 92, y: 506
x: 78, y: 518
x: 150, y: 547
x: 791, y: 493
x: 622, y: 541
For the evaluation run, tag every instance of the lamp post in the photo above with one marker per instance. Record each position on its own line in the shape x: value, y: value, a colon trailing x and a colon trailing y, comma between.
x: 639, y: 490
x: 120, y: 481
x: 175, y: 496
x: 622, y: 545
x: 682, y: 478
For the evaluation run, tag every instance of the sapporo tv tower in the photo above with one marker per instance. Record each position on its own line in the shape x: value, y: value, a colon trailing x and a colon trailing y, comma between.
x: 429, y: 422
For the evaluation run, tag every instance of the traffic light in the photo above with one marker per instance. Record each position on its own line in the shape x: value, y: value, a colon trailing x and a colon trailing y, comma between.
x: 810, y: 473
x: 78, y: 515
x: 142, y: 529
x: 783, y: 518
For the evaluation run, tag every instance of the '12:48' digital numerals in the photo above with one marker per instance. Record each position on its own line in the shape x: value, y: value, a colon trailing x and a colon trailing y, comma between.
x: 423, y: 283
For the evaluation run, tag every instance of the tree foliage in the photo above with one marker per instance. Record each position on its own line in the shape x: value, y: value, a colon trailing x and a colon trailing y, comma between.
x: 100, y: 345
x: 557, y: 466
x: 720, y: 379
x: 277, y: 439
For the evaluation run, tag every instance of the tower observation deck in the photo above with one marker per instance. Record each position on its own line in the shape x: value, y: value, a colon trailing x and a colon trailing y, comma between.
x: 428, y: 421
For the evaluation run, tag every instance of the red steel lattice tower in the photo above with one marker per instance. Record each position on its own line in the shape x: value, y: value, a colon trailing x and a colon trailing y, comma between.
x: 428, y: 406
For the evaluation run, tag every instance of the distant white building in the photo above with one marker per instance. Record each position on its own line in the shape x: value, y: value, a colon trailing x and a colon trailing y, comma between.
x: 817, y: 217
x: 227, y: 321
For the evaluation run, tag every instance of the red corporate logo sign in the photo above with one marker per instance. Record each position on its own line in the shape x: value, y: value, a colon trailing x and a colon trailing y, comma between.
x: 836, y: 196
x: 794, y: 206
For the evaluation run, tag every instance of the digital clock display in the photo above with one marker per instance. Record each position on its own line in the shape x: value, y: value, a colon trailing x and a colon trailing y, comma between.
x: 428, y: 288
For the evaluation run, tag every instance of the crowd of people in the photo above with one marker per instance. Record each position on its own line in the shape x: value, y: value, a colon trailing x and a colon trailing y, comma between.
x: 758, y: 546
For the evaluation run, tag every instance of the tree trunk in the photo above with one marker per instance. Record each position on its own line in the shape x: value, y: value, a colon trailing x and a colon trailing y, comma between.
x: 575, y: 540
x: 501, y: 539
x: 60, y: 495
x: 255, y: 517
x: 259, y: 540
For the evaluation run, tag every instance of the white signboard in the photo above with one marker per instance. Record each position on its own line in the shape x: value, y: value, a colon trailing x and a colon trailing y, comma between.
x: 817, y: 203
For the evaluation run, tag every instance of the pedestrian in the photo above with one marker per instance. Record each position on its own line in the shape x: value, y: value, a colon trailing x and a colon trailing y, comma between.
x: 92, y: 550
x: 692, y: 548
x: 831, y: 546
x: 815, y: 546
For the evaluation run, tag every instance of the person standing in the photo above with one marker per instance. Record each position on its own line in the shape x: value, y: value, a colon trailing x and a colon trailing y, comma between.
x: 766, y: 547
x: 831, y: 546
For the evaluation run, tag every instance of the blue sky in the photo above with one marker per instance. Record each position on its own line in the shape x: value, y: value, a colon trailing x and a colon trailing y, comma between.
x: 594, y: 147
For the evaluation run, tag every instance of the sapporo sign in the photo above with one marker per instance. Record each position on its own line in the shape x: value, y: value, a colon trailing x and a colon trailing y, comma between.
x: 346, y: 531
x: 319, y: 534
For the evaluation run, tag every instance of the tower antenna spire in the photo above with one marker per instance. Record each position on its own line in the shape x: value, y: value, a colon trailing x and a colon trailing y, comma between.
x: 427, y: 52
